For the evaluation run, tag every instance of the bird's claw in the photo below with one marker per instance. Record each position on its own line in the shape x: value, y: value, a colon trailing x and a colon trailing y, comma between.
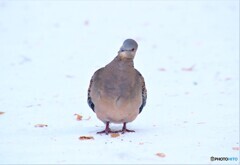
x: 126, y: 130
x: 107, y: 132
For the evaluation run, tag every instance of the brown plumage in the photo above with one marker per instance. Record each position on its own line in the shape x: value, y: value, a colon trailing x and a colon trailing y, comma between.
x: 117, y: 92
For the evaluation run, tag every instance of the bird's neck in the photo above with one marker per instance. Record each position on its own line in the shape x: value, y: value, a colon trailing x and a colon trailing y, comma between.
x: 124, y: 62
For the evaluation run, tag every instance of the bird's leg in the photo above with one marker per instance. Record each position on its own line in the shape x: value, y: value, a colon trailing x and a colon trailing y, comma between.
x: 107, y: 130
x: 124, y: 129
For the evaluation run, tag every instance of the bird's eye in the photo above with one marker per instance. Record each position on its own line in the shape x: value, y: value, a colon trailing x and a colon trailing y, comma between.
x: 132, y: 49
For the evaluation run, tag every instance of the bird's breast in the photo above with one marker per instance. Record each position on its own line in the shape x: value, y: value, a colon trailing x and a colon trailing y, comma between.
x: 121, y: 86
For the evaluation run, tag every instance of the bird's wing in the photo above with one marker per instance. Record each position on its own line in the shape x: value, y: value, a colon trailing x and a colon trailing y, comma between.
x: 89, y: 99
x: 144, y: 91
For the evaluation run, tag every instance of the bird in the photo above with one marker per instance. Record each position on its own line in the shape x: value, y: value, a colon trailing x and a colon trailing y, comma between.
x: 117, y: 92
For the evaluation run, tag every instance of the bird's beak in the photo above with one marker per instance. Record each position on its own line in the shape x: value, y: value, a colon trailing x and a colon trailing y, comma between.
x: 121, y: 49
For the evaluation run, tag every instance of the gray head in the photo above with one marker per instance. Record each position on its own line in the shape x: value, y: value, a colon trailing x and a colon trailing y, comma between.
x: 128, y: 49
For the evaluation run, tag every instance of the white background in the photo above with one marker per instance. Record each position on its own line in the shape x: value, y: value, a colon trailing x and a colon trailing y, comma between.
x: 188, y: 54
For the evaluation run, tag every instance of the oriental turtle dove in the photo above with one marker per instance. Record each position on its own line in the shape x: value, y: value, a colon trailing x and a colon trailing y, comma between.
x: 117, y: 92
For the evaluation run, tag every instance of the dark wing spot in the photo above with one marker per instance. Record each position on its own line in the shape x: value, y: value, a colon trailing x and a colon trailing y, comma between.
x: 89, y: 99
x: 144, y: 92
x: 90, y: 103
x: 144, y: 98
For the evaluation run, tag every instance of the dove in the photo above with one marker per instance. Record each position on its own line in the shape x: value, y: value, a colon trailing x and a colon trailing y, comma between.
x: 117, y: 92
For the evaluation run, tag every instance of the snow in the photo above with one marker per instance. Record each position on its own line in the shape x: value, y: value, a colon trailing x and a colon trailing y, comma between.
x: 188, y: 53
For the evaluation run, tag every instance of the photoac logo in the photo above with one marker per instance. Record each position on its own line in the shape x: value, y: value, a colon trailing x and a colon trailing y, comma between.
x: 213, y: 158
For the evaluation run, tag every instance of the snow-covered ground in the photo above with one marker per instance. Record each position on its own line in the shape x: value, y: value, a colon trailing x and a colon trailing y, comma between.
x: 188, y: 53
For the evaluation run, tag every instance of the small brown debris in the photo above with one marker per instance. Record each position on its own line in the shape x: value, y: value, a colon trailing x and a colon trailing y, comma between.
x: 228, y: 78
x: 41, y: 125
x: 36, y: 105
x: 69, y: 76
x: 162, y: 69
x: 201, y: 123
x: 79, y: 117
x: 114, y: 135
x: 189, y: 69
x: 86, y: 138
x: 88, y: 118
x: 86, y: 22
x: 1, y: 113
x: 141, y: 143
x: 162, y: 155
x: 236, y: 148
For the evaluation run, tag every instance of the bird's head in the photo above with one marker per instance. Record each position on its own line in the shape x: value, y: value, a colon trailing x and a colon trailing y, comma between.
x: 128, y: 49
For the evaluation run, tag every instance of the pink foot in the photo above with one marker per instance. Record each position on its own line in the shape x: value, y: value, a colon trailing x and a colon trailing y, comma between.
x: 107, y: 130
x: 124, y: 129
